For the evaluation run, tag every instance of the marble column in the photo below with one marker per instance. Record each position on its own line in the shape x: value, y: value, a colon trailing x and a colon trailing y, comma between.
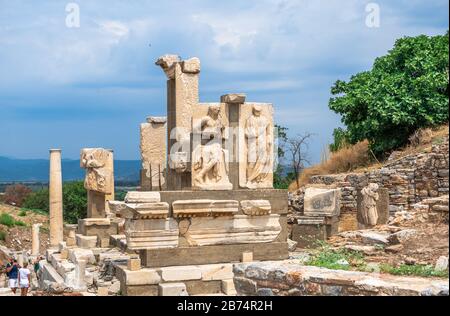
x: 35, y: 242
x: 56, y: 198
x: 80, y: 275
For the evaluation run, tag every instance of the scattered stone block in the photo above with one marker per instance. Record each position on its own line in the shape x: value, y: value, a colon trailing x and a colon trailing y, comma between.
x: 64, y: 253
x: 247, y: 256
x: 228, y: 287
x: 292, y: 245
x: 402, y: 236
x: 142, y: 277
x: 142, y: 197
x: 103, y: 242
x: 322, y: 202
x: 172, y: 289
x: 76, y: 254
x: 441, y: 264
x: 86, y: 241
x: 102, y: 291
x: 134, y: 264
x: 374, y: 238
x: 233, y: 98
x: 213, y: 272
x: 181, y: 273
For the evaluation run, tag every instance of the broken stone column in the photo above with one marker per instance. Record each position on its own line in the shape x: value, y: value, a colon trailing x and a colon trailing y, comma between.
x: 56, y: 198
x: 99, y: 181
x: 80, y: 275
x: 153, y: 153
x: 182, y: 96
x: 35, y: 242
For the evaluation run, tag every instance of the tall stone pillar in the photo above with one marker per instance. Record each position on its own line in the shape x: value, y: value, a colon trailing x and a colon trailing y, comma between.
x: 56, y: 198
x: 234, y: 102
x: 35, y: 239
x: 153, y: 154
x: 182, y: 97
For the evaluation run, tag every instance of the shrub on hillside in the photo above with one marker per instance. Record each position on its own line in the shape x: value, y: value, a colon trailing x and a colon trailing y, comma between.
x: 404, y: 91
x: 343, y: 160
x: 74, y: 201
x: 37, y: 201
x: 16, y: 194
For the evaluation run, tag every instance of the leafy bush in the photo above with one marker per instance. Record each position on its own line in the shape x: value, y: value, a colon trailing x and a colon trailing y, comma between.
x: 340, y: 140
x: 22, y: 213
x: 7, y: 220
x: 20, y: 223
x: 16, y: 194
x: 2, y: 235
x: 337, y: 259
x: 37, y: 200
x: 74, y: 201
x: 416, y: 270
x: 406, y: 90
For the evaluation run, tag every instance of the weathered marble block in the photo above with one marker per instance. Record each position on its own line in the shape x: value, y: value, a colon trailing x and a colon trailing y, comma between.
x: 151, y: 233
x: 142, y: 197
x: 237, y: 229
x: 256, y: 207
x: 140, y: 210
x: 322, y: 202
x: 203, y: 208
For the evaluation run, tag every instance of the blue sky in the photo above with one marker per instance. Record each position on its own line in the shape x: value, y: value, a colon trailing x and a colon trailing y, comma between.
x: 92, y: 86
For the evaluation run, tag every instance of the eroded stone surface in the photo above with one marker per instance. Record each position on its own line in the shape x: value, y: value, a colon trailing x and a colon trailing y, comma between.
x: 288, y: 278
x: 255, y: 207
x: 322, y: 202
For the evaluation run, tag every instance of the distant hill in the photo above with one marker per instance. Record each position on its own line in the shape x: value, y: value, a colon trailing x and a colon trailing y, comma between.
x: 12, y: 169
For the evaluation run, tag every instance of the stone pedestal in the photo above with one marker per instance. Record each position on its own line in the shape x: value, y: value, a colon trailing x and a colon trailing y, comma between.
x: 56, y: 198
x: 35, y: 242
x: 103, y: 228
x: 153, y: 154
x: 80, y: 275
x: 99, y: 181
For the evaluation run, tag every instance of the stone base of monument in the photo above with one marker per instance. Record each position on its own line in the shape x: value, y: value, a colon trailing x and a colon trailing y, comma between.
x: 101, y: 228
x: 215, y: 279
x: 213, y: 254
x: 308, y: 230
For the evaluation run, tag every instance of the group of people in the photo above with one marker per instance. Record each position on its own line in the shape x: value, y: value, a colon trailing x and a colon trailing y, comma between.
x: 18, y: 277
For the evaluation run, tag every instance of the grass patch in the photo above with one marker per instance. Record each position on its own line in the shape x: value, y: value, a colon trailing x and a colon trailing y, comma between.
x: 2, y: 235
x: 36, y: 211
x: 336, y: 259
x: 413, y: 270
x: 22, y: 213
x: 9, y: 221
x: 20, y: 223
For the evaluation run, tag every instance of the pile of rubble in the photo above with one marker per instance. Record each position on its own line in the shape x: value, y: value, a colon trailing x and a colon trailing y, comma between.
x: 416, y: 237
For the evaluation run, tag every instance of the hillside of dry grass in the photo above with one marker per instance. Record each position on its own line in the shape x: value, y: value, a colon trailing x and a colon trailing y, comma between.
x: 359, y: 158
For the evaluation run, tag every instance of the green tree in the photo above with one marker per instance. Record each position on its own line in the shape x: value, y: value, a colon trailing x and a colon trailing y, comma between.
x: 406, y: 90
x: 74, y: 201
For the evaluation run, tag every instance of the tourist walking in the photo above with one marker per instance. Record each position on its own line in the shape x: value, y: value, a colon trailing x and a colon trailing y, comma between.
x: 24, y: 279
x: 12, y: 272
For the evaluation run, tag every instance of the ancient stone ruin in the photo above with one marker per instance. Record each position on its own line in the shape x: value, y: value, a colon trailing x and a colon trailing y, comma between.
x: 206, y: 199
